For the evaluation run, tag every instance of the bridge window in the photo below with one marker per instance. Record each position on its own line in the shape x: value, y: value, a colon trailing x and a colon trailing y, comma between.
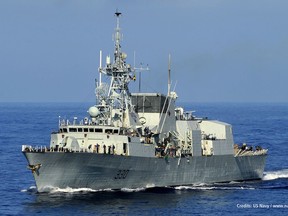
x: 108, y: 131
x: 72, y: 129
x: 91, y: 129
x: 80, y: 129
x: 98, y: 130
x: 85, y: 129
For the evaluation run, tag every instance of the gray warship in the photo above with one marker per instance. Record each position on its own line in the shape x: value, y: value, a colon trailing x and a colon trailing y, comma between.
x: 139, y: 140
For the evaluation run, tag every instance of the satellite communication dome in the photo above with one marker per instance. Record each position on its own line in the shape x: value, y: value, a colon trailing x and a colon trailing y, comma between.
x: 93, y: 111
x: 124, y: 55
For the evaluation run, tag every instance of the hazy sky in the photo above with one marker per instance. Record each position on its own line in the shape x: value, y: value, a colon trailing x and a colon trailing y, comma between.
x: 222, y: 50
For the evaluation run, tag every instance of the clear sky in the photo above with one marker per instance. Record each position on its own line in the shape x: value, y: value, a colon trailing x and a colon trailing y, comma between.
x: 222, y: 50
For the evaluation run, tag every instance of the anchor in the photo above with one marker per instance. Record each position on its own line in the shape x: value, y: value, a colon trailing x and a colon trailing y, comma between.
x: 34, y: 168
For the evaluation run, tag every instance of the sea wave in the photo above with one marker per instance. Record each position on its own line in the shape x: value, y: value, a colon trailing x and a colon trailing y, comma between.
x: 202, y: 186
x: 213, y: 187
x: 132, y: 189
x: 53, y: 190
x: 31, y: 189
x: 73, y: 190
x: 272, y: 175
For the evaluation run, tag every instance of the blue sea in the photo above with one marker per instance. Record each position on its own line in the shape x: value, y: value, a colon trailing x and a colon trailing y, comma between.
x: 256, y: 124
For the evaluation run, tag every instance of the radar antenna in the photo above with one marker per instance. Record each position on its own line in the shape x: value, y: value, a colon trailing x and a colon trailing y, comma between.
x: 117, y: 101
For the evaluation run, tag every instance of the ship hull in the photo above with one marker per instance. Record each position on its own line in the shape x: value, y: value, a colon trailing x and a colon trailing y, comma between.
x: 103, y: 171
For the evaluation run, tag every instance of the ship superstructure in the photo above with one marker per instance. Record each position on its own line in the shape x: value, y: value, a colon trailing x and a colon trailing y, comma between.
x: 138, y: 140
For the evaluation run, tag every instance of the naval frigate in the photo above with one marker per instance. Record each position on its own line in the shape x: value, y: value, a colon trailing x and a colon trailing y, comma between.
x: 139, y: 140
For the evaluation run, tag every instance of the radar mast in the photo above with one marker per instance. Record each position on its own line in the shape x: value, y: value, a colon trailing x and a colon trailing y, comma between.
x: 117, y: 97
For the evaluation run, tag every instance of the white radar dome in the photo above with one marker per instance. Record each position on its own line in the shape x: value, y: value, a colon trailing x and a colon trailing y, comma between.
x: 124, y: 55
x: 93, y: 111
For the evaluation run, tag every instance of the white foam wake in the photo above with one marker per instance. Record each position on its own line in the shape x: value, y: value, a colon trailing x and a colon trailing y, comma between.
x: 272, y: 175
x: 49, y: 189
x: 30, y: 189
x: 74, y: 190
x: 138, y: 189
x: 52, y: 190
x: 132, y: 189
x: 213, y: 187
x: 194, y: 188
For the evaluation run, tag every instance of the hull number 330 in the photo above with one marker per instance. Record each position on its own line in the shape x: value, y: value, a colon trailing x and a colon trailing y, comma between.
x: 121, y: 174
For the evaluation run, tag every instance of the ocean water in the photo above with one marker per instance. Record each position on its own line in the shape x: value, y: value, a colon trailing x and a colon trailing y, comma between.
x: 255, y: 124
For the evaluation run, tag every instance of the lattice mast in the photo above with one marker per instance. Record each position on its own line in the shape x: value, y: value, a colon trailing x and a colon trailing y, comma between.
x: 121, y: 73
